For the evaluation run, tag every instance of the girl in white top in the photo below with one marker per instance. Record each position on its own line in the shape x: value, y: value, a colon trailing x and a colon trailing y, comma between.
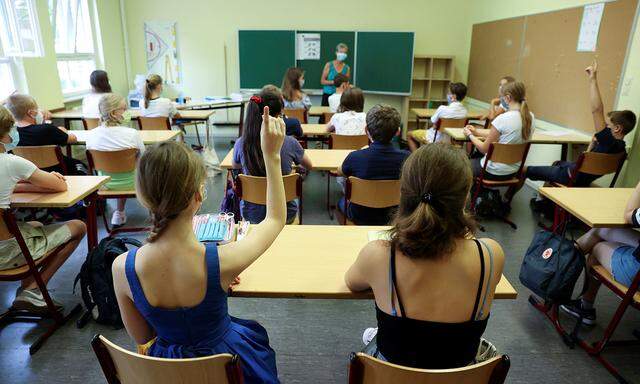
x: 111, y: 135
x: 350, y: 120
x: 99, y: 87
x: 20, y: 175
x: 155, y: 106
x: 512, y: 127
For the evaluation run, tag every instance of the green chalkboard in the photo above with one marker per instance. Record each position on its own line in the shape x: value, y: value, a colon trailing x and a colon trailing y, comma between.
x: 328, y: 41
x: 265, y: 56
x: 384, y: 62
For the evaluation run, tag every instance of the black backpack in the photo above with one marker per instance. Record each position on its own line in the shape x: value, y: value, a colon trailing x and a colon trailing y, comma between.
x: 96, y: 282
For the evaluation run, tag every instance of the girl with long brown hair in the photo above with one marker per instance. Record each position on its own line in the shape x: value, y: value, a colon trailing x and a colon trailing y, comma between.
x: 292, y: 83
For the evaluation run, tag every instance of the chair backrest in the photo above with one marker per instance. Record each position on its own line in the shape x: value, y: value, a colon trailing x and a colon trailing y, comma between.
x: 122, y: 366
x: 154, y: 123
x: 43, y: 156
x: 112, y: 161
x: 508, y: 153
x: 600, y: 164
x: 298, y: 113
x: 365, y: 369
x: 253, y: 189
x: 373, y: 193
x: 451, y: 123
x: 347, y: 142
x: 90, y: 123
x: 327, y: 116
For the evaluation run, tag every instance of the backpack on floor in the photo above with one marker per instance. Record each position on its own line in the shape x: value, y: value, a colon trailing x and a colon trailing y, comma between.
x: 489, y: 203
x: 551, y: 266
x: 96, y: 282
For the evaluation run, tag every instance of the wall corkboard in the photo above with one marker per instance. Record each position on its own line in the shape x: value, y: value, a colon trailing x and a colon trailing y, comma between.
x: 548, y: 63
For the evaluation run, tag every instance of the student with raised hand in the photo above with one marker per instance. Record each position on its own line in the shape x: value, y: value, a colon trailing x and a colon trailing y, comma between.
x: 248, y: 157
x: 617, y: 250
x: 114, y: 135
x: 433, y: 282
x: 350, y: 120
x: 292, y: 84
x: 100, y: 86
x: 153, y: 104
x: 172, y: 292
x: 608, y: 138
x: 20, y: 175
x: 453, y: 110
x: 512, y: 127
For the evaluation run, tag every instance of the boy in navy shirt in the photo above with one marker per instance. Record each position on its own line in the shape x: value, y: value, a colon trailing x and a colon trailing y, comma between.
x: 380, y: 161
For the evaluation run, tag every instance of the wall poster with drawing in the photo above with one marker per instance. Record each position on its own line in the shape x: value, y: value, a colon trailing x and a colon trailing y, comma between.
x: 162, y: 50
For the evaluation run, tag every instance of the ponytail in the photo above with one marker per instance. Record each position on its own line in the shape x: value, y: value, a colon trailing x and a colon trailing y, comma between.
x: 517, y: 92
x: 525, y: 115
x: 151, y: 84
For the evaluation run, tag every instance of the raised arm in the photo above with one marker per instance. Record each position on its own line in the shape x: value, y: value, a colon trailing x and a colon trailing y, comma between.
x: 597, y: 108
x: 237, y: 256
x: 632, y: 205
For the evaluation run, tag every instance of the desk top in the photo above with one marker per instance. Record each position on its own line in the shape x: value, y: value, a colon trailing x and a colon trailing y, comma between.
x: 79, y: 187
x: 318, y: 111
x: 314, y: 130
x: 302, y: 263
x: 538, y: 137
x: 426, y: 113
x: 321, y: 159
x: 196, y: 114
x: 148, y: 137
x: 596, y: 207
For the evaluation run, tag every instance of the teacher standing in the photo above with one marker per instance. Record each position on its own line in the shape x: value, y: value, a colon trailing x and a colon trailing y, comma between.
x: 331, y: 69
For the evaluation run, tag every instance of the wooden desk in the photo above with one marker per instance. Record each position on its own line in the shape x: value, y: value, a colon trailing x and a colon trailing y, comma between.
x: 322, y: 159
x: 314, y: 130
x: 79, y: 188
x: 318, y: 111
x: 596, y: 207
x: 148, y: 137
x: 201, y: 104
x: 301, y: 263
x: 426, y: 113
x: 191, y: 115
x: 539, y: 137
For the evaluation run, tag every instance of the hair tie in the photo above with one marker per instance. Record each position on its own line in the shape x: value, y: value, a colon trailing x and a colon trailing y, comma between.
x: 426, y: 198
x: 256, y: 99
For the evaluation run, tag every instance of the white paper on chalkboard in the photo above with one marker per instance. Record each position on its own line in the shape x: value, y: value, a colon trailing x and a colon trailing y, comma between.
x: 308, y: 46
x: 590, y: 26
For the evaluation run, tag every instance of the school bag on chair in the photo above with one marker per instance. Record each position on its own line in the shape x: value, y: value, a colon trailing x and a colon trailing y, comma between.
x: 96, y: 282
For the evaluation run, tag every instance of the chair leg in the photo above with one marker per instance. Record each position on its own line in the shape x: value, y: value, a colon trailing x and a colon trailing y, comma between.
x: 54, y: 327
x: 329, y: 195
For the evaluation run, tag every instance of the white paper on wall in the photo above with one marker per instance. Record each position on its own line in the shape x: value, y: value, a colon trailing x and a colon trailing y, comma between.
x: 590, y: 26
x: 308, y: 46
x: 162, y: 50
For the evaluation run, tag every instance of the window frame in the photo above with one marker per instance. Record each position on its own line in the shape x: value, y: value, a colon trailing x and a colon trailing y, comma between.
x: 8, y: 6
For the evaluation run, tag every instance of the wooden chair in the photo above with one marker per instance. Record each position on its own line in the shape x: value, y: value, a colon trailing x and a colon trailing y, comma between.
x: 90, y: 123
x: 448, y: 123
x: 43, y: 156
x: 326, y: 117
x: 370, y: 193
x: 114, y: 162
x: 342, y: 142
x: 154, y: 123
x: 253, y: 189
x: 365, y: 369
x: 9, y: 230
x: 298, y: 113
x: 122, y: 366
x: 505, y: 154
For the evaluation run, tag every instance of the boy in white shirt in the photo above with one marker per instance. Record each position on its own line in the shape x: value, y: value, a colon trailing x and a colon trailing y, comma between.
x: 454, y: 110
x: 155, y: 106
x: 21, y: 175
x: 350, y: 120
x: 341, y: 82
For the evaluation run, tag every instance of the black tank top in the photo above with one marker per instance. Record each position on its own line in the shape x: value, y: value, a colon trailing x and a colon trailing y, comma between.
x: 428, y: 344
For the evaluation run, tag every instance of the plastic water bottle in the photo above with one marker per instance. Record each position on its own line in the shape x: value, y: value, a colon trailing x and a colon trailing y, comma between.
x: 181, y: 99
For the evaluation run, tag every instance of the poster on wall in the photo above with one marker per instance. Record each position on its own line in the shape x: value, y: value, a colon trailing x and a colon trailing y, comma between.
x: 308, y: 46
x: 162, y: 50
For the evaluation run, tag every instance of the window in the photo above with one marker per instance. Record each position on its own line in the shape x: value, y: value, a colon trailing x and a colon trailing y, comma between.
x: 74, y: 44
x: 19, y: 28
x: 7, y: 83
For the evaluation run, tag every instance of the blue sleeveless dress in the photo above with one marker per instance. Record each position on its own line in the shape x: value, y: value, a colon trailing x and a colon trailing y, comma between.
x: 206, y: 329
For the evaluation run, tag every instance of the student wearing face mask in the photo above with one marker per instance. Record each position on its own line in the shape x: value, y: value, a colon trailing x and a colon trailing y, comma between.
x: 292, y: 85
x: 21, y: 175
x: 331, y: 69
x: 34, y: 131
x: 114, y: 135
x: 499, y: 105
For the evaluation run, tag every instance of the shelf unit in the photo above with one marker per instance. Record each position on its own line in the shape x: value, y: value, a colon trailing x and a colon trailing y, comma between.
x: 432, y: 75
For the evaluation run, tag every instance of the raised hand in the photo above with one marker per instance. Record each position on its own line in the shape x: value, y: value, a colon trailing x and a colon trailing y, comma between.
x: 592, y: 70
x: 272, y: 134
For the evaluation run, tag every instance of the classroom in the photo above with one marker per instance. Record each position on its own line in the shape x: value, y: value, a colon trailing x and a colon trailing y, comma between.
x: 367, y: 192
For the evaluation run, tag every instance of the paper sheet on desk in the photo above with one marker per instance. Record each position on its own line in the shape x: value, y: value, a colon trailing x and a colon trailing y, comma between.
x: 554, y: 133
